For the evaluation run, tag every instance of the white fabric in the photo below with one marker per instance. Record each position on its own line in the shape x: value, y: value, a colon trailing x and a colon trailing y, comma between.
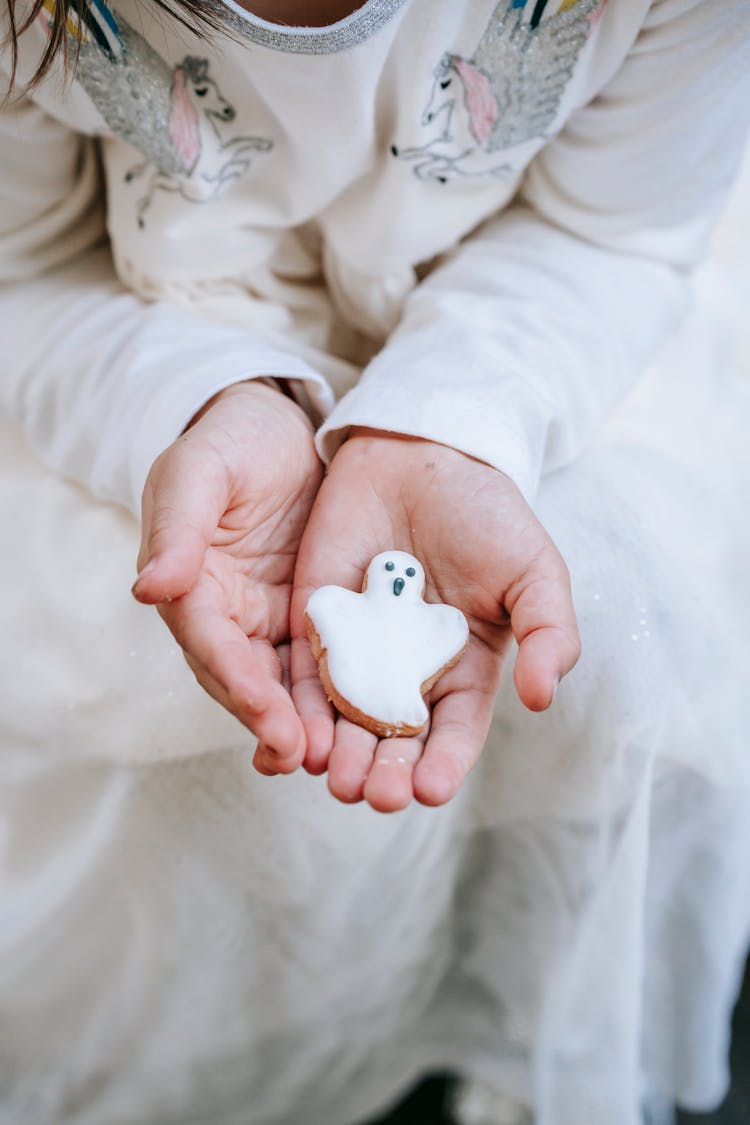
x: 301, y: 196
x: 184, y: 941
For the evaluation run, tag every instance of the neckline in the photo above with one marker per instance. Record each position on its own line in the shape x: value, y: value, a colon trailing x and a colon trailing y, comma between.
x: 345, y: 33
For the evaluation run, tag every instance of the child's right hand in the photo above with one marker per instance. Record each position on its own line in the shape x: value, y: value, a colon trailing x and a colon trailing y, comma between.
x: 224, y: 509
x: 483, y: 551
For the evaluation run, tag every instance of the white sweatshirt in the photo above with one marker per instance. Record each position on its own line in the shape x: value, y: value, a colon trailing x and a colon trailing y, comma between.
x: 468, y: 221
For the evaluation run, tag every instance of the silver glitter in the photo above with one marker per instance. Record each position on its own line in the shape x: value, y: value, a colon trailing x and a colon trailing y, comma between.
x: 506, y: 93
x: 132, y: 93
x: 341, y: 36
x: 529, y: 67
x: 175, y: 116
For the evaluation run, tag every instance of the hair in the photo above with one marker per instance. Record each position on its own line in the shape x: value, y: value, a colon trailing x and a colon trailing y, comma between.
x: 200, y: 18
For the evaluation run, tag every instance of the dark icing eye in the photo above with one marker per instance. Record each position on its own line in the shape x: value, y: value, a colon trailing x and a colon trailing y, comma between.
x: 201, y: 91
x: 390, y: 566
x: 445, y: 84
x: 410, y: 572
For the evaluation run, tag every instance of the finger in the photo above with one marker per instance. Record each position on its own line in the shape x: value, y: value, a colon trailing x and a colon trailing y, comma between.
x: 389, y: 784
x: 185, y: 496
x: 273, y: 722
x: 313, y: 708
x: 211, y: 686
x: 350, y: 761
x: 270, y: 762
x: 462, y: 703
x: 460, y: 722
x: 263, y: 758
x: 242, y: 674
x: 261, y: 754
x: 284, y: 654
x: 544, y: 624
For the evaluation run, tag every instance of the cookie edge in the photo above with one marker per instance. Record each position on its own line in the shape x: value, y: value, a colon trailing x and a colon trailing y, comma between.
x: 352, y: 713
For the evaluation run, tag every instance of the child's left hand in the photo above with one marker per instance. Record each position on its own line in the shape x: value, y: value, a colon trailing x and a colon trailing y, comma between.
x: 483, y: 551
x: 223, y: 512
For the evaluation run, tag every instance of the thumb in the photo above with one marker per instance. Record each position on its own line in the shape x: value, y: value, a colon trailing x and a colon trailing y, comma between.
x: 544, y: 625
x: 185, y: 496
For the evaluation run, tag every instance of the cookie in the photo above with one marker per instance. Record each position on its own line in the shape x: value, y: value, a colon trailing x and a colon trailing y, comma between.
x: 380, y: 651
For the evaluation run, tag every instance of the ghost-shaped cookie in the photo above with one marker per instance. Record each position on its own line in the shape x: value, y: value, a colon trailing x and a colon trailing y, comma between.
x: 379, y: 651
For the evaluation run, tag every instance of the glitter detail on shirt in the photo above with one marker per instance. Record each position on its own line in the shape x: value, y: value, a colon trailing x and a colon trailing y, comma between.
x: 175, y: 116
x: 506, y: 93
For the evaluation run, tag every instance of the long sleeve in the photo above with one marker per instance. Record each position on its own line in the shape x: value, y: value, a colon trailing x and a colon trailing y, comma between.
x: 100, y: 381
x: 519, y: 344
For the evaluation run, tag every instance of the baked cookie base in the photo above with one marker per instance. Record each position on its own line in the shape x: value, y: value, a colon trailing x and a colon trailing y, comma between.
x: 352, y: 713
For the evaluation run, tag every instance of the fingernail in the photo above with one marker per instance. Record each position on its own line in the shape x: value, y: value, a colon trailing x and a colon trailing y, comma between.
x: 149, y: 566
x: 142, y: 573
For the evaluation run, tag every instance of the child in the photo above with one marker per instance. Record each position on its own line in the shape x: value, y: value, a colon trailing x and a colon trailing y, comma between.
x: 491, y: 209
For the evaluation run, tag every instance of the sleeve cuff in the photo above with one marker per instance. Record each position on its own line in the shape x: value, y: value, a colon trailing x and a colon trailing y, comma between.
x: 171, y: 409
x: 451, y: 387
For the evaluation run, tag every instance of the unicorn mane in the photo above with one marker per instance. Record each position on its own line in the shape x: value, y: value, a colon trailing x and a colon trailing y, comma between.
x: 480, y: 100
x: 183, y: 121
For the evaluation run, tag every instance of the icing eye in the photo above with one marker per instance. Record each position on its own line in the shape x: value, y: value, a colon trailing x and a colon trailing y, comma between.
x: 390, y: 566
x: 410, y: 572
x: 445, y: 84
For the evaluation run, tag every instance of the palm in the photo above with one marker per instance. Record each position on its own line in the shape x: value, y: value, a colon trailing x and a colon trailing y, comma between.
x: 475, y: 537
x: 247, y: 570
x: 245, y: 477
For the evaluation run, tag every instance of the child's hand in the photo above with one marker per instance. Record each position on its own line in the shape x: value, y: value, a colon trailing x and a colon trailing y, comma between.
x: 224, y: 508
x: 484, y: 551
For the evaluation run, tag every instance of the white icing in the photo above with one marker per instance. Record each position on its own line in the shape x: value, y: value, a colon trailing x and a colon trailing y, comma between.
x: 381, y: 645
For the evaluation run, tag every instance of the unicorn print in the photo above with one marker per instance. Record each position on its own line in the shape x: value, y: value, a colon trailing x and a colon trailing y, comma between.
x: 176, y: 117
x: 208, y: 159
x: 508, y: 92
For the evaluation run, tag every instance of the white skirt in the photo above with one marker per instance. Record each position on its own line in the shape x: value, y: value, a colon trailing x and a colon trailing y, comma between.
x: 185, y: 941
